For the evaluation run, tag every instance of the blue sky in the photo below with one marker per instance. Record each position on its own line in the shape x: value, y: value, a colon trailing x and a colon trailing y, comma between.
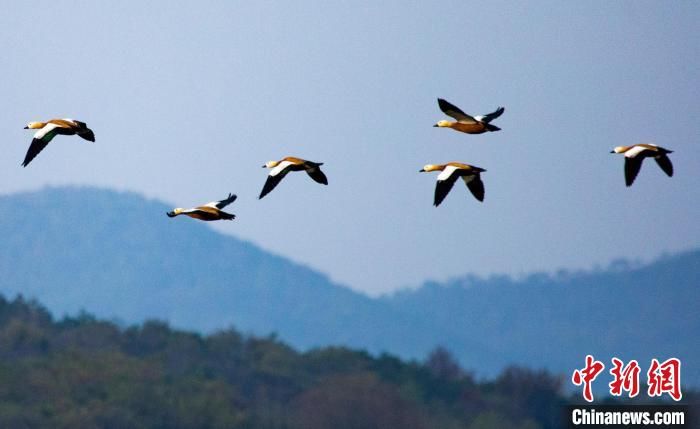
x: 187, y: 102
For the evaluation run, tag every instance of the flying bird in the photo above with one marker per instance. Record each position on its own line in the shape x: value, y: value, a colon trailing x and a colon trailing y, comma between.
x: 635, y: 154
x: 452, y: 171
x: 209, y: 211
x: 280, y: 168
x: 467, y: 123
x: 50, y: 129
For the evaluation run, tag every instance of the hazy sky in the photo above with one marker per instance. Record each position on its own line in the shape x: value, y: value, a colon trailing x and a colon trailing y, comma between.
x: 189, y: 99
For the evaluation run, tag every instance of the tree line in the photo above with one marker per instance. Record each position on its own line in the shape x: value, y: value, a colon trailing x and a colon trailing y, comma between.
x: 89, y: 373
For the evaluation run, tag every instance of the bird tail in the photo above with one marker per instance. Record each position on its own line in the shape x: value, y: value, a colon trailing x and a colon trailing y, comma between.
x: 490, y: 127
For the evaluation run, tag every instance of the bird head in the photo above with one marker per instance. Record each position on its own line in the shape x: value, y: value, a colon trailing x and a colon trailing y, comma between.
x: 271, y: 164
x: 34, y: 125
x: 429, y: 167
x: 442, y: 124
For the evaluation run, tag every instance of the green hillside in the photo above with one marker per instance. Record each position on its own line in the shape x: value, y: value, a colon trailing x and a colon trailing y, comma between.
x: 86, y: 373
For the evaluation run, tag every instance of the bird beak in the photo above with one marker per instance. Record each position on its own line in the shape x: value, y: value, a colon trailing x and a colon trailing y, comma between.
x: 26, y: 128
x: 170, y: 214
x: 612, y: 151
x: 435, y: 125
x: 264, y: 166
x: 422, y: 170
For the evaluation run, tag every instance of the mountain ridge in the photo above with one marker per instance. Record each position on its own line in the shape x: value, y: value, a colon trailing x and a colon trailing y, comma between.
x: 116, y: 254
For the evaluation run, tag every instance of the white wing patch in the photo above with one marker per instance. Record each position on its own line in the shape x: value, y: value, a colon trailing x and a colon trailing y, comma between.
x: 479, y: 118
x: 632, y: 153
x: 280, y: 168
x: 447, y: 172
x: 42, y: 132
x: 212, y: 204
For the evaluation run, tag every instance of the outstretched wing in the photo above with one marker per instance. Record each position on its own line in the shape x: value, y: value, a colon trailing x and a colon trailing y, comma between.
x: 491, y: 116
x: 87, y: 134
x: 41, y: 139
x: 223, y: 203
x: 475, y: 185
x: 665, y: 164
x: 270, y: 184
x: 275, y: 177
x: 445, y: 182
x: 632, y: 166
x: 451, y: 110
x: 316, y: 174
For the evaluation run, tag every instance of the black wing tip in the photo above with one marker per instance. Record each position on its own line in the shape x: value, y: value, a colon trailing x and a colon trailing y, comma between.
x: 664, y: 162
x: 87, y: 134
x: 439, y: 199
x: 318, y: 176
x: 444, y: 104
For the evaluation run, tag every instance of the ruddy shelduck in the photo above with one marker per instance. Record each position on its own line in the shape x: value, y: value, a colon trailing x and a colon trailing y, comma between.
x: 50, y: 129
x: 279, y: 169
x: 467, y: 123
x: 452, y: 171
x: 210, y: 211
x: 635, y: 154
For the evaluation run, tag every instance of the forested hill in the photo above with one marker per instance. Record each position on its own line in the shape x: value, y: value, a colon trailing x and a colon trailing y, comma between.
x: 118, y: 256
x: 81, y: 372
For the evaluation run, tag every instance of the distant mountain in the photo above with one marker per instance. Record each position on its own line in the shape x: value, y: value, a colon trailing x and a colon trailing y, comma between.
x: 117, y: 255
x: 554, y: 321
